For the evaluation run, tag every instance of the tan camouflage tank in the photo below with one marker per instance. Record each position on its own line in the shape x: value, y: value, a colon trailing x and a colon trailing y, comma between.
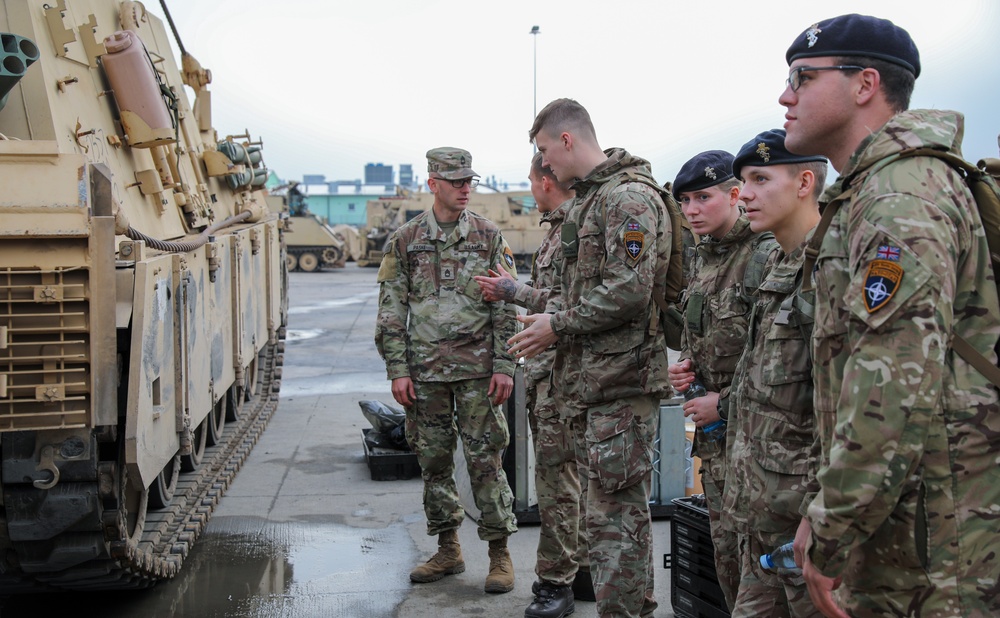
x: 142, y: 298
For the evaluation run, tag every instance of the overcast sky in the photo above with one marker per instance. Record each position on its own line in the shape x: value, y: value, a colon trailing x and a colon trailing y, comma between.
x: 331, y: 85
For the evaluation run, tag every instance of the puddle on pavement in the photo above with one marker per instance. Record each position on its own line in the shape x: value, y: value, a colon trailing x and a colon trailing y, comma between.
x: 288, y: 570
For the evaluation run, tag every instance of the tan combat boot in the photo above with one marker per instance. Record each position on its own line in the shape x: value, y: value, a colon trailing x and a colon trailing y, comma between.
x: 447, y: 560
x: 501, y: 577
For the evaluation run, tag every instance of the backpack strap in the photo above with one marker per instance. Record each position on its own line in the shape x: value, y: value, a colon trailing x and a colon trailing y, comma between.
x: 973, y: 177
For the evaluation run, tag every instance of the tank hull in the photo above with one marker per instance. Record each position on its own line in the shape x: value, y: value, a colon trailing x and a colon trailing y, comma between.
x: 142, y: 311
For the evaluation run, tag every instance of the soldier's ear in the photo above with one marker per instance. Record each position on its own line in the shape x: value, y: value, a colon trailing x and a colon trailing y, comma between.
x: 547, y: 183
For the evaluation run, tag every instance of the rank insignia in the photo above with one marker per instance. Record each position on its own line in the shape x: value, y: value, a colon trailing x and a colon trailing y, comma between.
x: 447, y: 273
x: 634, y: 242
x: 764, y: 151
x: 813, y: 34
x: 887, y: 252
x: 508, y: 257
x: 881, y: 282
x: 710, y: 173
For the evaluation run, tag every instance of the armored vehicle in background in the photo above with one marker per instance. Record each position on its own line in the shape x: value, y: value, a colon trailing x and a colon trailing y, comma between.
x: 142, y: 298
x: 310, y: 243
x: 514, y: 213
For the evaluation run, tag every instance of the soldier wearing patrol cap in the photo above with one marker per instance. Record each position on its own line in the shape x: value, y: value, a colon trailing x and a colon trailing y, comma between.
x: 445, y: 352
x: 905, y: 522
x: 729, y: 264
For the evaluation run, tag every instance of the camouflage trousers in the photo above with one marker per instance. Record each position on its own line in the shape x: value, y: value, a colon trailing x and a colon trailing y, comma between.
x: 763, y: 593
x: 560, y: 463
x: 443, y: 412
x: 619, y: 527
x: 724, y: 541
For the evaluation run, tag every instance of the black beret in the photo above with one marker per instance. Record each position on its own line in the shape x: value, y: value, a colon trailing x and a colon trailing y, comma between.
x: 768, y: 148
x: 704, y: 170
x: 857, y: 35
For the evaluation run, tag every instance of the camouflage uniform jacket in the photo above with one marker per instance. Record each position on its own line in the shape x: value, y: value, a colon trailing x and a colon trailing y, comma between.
x: 610, y: 343
x: 773, y: 443
x: 717, y: 311
x: 909, y: 429
x: 433, y: 324
x: 535, y: 297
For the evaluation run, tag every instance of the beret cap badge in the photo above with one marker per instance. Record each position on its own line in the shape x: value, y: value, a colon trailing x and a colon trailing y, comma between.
x: 813, y: 34
x: 710, y: 173
x: 764, y: 152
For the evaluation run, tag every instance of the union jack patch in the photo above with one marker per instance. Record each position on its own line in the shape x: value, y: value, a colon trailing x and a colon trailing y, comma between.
x: 634, y: 242
x: 881, y: 282
x: 887, y: 252
x: 632, y: 226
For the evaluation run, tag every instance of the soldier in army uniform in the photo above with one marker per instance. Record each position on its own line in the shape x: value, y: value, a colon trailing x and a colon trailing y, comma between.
x: 730, y: 263
x: 557, y: 431
x: 772, y: 439
x: 444, y: 349
x: 906, y: 519
x: 610, y: 349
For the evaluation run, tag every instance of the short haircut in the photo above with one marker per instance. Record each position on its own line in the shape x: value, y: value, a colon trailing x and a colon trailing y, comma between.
x: 896, y: 81
x: 818, y: 168
x: 541, y: 171
x: 726, y: 185
x: 563, y: 115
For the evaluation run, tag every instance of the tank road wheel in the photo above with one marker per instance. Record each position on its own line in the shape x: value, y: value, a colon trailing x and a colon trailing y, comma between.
x: 190, y: 463
x: 217, y: 421
x: 308, y: 262
x: 161, y: 491
x: 291, y: 261
x: 132, y: 506
x: 234, y: 403
x: 333, y: 256
x: 250, y: 380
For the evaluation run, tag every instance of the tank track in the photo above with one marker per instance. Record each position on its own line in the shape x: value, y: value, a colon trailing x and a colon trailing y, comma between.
x: 125, y: 562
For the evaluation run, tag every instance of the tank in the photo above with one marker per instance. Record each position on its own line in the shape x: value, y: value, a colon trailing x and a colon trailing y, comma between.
x: 514, y: 213
x: 311, y: 244
x: 143, y: 299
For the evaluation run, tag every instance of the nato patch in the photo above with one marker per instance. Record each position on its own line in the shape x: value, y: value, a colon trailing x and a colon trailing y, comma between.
x: 634, y: 242
x: 881, y: 282
x: 508, y: 257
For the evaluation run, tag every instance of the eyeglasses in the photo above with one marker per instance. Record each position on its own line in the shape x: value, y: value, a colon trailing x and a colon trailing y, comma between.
x: 458, y: 184
x: 795, y: 76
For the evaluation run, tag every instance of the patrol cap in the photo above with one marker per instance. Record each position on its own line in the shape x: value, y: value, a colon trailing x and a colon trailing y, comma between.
x: 857, y: 35
x: 450, y: 163
x: 704, y: 170
x: 768, y: 148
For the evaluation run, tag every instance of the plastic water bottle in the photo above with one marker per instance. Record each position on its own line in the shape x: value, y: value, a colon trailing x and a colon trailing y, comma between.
x: 781, y: 560
x: 715, y: 430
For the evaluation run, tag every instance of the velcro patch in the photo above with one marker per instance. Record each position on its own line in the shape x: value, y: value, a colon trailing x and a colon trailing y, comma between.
x: 634, y: 242
x: 881, y: 282
x: 508, y: 257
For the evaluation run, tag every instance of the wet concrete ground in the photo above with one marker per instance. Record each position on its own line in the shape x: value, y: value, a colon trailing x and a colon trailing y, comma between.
x: 304, y: 531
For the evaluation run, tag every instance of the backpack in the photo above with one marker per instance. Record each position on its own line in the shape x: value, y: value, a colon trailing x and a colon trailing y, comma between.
x: 983, y: 184
x: 670, y: 273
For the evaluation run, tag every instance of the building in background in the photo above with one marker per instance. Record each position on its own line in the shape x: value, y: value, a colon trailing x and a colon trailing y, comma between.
x: 405, y: 175
x: 378, y: 174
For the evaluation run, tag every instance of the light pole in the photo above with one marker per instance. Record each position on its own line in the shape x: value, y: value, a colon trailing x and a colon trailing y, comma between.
x: 534, y: 61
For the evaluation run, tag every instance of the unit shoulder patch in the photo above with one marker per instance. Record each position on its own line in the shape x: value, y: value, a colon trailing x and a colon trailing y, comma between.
x: 881, y: 282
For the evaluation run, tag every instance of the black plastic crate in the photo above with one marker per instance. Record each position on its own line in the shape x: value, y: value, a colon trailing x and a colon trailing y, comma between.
x: 388, y: 464
x: 694, y: 586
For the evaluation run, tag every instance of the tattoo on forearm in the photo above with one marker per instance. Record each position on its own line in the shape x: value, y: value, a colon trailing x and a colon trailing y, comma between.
x: 506, y: 289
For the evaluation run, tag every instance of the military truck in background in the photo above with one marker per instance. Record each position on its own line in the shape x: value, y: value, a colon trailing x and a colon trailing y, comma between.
x: 143, y: 298
x: 514, y: 213
x: 311, y: 244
